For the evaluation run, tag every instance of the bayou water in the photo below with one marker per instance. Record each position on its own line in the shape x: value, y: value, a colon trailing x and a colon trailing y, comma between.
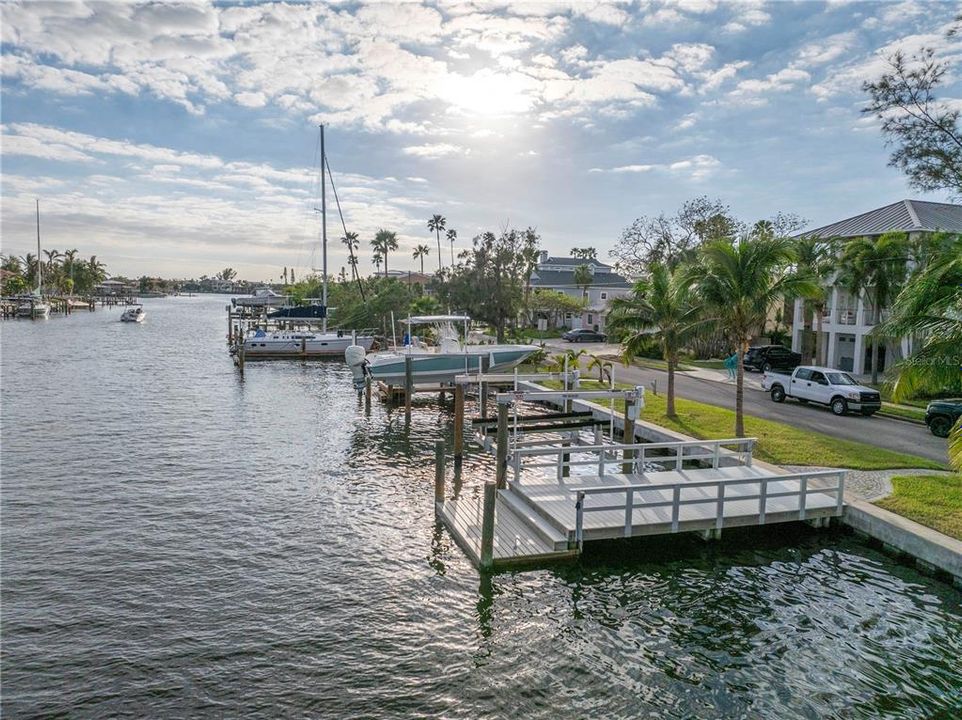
x: 178, y: 542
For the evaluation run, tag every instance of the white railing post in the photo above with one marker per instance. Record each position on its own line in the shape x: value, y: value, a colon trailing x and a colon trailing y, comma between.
x: 561, y: 457
x: 716, y: 455
x: 763, y: 491
x: 629, y: 507
x: 841, y: 492
x: 679, y: 456
x: 580, y: 520
x: 640, y: 461
x: 517, y: 465
x: 675, y: 507
x: 720, y: 507
x: 803, y: 494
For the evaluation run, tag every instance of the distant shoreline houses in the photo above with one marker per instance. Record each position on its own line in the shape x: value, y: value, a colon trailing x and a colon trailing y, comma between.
x: 558, y: 274
x: 847, y: 321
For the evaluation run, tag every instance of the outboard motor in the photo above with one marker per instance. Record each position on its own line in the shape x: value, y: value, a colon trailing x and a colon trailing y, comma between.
x: 356, y: 358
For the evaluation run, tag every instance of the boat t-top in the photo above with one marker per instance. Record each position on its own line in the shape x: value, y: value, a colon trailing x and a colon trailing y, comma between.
x: 134, y: 314
x: 261, y: 297
x: 440, y: 363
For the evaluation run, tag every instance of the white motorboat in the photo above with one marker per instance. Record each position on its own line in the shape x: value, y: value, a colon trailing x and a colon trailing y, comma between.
x: 441, y: 363
x: 33, y: 307
x: 262, y: 297
x: 302, y: 343
x: 133, y: 314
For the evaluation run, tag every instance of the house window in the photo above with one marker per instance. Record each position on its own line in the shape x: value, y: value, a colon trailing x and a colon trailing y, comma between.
x: 604, y: 296
x: 590, y: 319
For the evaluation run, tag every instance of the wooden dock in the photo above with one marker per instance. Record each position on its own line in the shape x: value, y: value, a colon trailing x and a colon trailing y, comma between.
x: 573, y: 487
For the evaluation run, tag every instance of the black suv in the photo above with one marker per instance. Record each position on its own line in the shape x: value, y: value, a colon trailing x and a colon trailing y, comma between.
x: 771, y: 357
x: 584, y: 335
x: 941, y: 415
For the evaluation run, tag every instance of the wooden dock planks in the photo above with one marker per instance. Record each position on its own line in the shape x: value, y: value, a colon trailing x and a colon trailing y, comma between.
x: 515, y: 540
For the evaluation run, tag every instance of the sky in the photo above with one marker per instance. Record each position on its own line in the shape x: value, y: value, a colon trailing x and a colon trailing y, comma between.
x: 177, y: 139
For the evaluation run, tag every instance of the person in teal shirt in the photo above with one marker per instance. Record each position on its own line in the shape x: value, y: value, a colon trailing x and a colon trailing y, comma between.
x: 731, y: 362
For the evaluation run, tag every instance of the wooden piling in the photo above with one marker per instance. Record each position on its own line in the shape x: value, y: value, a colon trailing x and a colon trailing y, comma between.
x: 628, y: 437
x: 408, y: 386
x: 367, y: 393
x: 240, y: 349
x: 502, y: 446
x: 487, y: 526
x: 458, y: 424
x: 484, y: 400
x: 439, y: 472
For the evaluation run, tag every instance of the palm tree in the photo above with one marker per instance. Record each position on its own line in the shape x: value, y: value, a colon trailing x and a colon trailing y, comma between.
x: 583, y: 278
x: 738, y: 284
x: 376, y: 259
x: 663, y: 306
x: 436, y: 225
x: 69, y: 260
x: 929, y: 306
x: 419, y: 252
x: 603, y: 366
x: 386, y: 242
x: 876, y: 267
x: 816, y: 258
x: 351, y: 242
x: 452, y: 236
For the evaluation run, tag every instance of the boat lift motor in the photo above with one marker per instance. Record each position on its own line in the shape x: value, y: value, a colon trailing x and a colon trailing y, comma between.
x: 639, y: 404
x: 356, y: 358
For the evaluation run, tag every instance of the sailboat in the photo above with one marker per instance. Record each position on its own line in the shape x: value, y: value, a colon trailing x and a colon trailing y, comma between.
x: 299, y: 344
x: 35, y: 307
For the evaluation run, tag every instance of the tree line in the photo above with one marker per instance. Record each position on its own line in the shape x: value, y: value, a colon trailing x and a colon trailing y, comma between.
x: 63, y: 272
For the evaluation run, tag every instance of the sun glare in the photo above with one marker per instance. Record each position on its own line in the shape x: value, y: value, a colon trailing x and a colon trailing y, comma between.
x: 490, y: 93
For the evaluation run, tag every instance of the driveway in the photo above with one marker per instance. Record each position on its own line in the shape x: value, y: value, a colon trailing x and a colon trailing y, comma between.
x: 710, y: 387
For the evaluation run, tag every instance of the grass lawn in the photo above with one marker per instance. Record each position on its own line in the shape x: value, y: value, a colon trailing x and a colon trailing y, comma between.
x: 778, y: 443
x: 903, y: 411
x: 933, y: 501
x: 711, y: 364
x: 651, y: 363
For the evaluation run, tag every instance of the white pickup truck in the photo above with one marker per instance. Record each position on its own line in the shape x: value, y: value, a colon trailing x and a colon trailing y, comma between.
x: 834, y: 388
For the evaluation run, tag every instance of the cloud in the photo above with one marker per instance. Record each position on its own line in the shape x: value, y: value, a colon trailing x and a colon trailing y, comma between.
x: 436, y: 150
x: 697, y: 167
x: 782, y: 81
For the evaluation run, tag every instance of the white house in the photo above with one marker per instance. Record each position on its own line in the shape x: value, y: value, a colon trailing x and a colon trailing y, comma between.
x: 558, y: 273
x: 847, y: 321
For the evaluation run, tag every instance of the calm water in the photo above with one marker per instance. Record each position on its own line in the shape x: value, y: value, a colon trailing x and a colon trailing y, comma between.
x: 178, y: 543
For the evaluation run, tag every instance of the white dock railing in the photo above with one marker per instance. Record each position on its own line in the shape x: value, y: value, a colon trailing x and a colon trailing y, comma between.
x: 637, y: 454
x: 802, y: 491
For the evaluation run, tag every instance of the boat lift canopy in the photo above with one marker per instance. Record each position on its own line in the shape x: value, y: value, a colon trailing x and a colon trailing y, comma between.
x: 429, y: 319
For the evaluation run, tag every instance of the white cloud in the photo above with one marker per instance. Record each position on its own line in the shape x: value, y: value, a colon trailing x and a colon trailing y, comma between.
x: 698, y: 167
x: 435, y: 150
x: 782, y: 81
x: 251, y: 99
x: 827, y: 50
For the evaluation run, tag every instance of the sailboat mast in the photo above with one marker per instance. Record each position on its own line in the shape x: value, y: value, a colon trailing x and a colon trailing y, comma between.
x: 39, y: 264
x: 324, y: 228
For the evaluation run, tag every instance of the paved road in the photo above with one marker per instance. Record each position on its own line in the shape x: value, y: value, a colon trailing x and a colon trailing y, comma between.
x: 879, y: 431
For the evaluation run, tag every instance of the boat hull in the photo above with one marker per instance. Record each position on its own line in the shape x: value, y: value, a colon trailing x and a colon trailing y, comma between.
x: 442, y: 368
x: 36, y: 311
x: 286, y: 346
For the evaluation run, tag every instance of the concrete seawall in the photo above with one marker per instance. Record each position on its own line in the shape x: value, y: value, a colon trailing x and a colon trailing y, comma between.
x: 932, y: 551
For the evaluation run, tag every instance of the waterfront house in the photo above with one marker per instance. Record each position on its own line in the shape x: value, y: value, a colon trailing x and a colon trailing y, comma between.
x: 558, y: 273
x: 846, y: 320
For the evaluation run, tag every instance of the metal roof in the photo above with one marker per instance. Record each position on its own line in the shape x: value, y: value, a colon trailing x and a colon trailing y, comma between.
x: 566, y: 278
x: 573, y: 262
x: 905, y: 216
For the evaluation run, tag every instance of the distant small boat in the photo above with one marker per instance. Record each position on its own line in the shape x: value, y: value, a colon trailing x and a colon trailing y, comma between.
x: 134, y: 314
x: 260, y: 298
x: 35, y: 309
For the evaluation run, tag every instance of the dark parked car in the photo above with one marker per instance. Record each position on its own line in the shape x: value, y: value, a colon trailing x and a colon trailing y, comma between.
x: 941, y: 415
x: 584, y: 335
x: 771, y: 357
